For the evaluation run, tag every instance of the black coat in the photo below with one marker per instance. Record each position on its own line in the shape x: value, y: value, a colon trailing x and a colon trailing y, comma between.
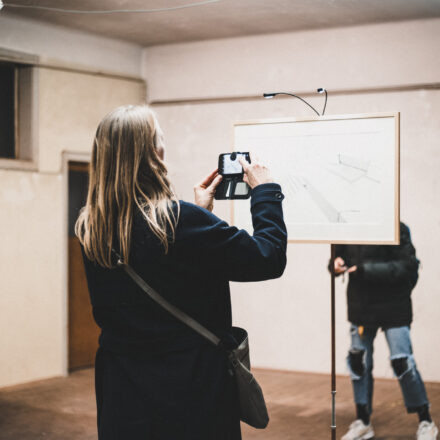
x: 379, y: 292
x: 155, y: 377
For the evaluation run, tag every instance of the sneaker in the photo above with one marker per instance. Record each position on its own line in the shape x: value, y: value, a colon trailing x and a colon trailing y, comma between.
x: 359, y: 431
x: 427, y: 431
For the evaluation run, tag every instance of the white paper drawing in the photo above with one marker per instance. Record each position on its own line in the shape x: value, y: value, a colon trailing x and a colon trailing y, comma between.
x: 338, y: 176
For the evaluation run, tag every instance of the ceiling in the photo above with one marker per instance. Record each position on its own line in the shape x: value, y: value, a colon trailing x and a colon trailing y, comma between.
x: 223, y: 18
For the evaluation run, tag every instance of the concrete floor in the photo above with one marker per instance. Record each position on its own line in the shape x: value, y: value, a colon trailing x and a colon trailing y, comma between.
x: 299, y: 407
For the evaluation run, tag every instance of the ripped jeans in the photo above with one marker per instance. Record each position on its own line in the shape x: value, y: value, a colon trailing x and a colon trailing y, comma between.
x: 360, y: 363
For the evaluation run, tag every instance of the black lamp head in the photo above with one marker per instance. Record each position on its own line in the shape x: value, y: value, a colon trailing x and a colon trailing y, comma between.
x: 269, y: 95
x: 320, y: 90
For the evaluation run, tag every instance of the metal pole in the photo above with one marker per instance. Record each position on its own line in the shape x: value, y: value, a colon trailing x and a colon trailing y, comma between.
x: 333, y: 341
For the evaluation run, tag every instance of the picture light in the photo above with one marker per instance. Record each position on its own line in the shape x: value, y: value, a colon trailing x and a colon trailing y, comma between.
x: 320, y: 90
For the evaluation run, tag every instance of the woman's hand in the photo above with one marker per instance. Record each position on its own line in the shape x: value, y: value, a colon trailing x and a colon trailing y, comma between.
x: 205, y: 190
x: 255, y: 173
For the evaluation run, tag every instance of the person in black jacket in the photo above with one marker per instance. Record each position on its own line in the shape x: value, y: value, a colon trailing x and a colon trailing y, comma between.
x: 381, y: 279
x: 156, y: 378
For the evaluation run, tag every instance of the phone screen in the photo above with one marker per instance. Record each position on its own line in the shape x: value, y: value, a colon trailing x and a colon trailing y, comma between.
x: 232, y: 185
x: 231, y: 164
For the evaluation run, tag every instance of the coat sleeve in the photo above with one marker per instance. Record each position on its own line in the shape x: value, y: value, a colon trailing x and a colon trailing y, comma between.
x: 228, y: 252
x: 402, y: 268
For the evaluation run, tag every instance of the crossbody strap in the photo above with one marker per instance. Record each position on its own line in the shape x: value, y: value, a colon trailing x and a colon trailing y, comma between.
x: 159, y: 299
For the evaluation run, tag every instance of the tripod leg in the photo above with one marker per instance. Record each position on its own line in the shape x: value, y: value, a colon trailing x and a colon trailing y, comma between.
x: 333, y: 342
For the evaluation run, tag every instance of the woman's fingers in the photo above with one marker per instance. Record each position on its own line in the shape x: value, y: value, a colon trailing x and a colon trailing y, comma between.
x: 256, y: 172
x: 208, y: 179
x: 244, y: 163
x: 205, y: 190
x: 214, y: 184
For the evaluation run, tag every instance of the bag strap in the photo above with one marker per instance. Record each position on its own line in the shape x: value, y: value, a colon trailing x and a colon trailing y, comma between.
x: 159, y: 299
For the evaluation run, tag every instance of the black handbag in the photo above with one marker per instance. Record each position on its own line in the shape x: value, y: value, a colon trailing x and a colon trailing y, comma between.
x: 253, y: 409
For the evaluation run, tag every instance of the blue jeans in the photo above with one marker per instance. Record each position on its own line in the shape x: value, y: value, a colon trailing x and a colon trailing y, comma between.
x: 360, y: 363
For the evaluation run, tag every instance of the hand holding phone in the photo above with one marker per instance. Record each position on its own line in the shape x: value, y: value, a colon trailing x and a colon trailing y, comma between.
x: 204, y: 191
x: 255, y: 173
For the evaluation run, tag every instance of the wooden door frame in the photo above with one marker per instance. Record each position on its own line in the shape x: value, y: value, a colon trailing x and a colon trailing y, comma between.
x: 67, y: 156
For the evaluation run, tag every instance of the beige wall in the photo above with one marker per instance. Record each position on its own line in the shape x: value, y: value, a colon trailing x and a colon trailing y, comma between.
x: 58, y: 44
x: 31, y: 318
x: 71, y: 106
x: 33, y: 206
x: 288, y: 319
x: 346, y: 58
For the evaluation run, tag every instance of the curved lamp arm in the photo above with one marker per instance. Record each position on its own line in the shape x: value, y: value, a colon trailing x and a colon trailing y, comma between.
x: 320, y: 90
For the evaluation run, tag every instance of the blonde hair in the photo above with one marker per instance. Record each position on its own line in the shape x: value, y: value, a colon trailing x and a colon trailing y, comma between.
x: 125, y: 173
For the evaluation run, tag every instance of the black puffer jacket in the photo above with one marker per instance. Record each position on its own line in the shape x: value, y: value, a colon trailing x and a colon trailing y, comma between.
x: 379, y: 292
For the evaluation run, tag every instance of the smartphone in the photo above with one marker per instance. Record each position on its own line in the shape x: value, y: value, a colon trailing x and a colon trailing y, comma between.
x: 232, y: 186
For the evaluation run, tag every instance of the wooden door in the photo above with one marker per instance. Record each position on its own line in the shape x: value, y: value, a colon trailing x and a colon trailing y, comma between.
x: 83, y: 332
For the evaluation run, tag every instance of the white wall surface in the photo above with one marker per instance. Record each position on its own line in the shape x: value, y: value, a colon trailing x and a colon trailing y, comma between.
x: 56, y: 43
x: 288, y: 319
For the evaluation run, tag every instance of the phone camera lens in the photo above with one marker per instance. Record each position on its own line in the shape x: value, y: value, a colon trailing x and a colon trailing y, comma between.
x: 233, y: 156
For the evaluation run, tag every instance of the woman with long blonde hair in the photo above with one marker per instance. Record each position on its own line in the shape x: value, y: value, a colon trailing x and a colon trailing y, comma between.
x: 155, y: 378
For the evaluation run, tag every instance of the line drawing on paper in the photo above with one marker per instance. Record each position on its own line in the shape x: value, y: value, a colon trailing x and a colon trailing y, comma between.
x: 352, y: 168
